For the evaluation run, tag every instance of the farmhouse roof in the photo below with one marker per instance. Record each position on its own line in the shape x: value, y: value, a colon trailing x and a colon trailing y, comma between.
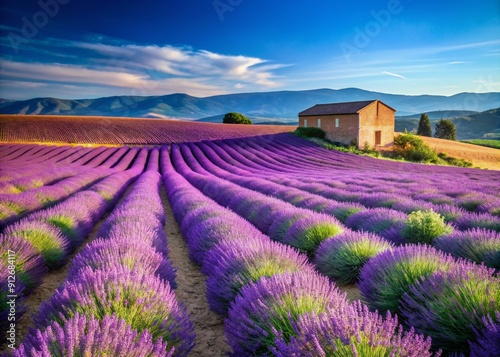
x: 338, y: 108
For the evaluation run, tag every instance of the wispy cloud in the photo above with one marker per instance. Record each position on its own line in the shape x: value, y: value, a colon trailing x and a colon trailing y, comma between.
x: 144, y: 69
x: 455, y: 62
x: 394, y: 74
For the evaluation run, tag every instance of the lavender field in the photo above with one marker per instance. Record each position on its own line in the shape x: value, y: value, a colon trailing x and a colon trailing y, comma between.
x: 279, y: 227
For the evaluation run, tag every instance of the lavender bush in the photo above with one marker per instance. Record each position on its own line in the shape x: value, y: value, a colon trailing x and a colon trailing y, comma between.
x: 143, y: 301
x: 478, y: 245
x: 383, y: 221
x: 137, y: 255
x: 274, y: 304
x: 232, y: 265
x: 29, y: 265
x: 307, y: 233
x: 342, y: 257
x: 387, y: 276
x: 353, y: 331
x: 487, y: 343
x: 45, y: 238
x: 84, y: 335
x: 450, y: 305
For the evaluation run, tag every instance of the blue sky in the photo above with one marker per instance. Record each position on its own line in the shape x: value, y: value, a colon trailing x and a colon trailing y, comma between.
x: 88, y: 49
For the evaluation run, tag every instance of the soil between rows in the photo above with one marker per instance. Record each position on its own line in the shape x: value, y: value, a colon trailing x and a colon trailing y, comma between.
x: 209, y: 326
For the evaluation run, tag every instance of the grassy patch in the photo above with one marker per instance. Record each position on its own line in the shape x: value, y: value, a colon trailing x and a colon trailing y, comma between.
x: 484, y: 142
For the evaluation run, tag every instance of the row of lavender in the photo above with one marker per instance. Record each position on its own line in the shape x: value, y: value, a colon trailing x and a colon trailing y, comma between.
x: 273, y: 299
x: 54, y: 179
x: 118, y: 299
x: 343, y: 256
x: 387, y: 186
x: 477, y: 244
x: 278, y: 154
x: 43, y: 240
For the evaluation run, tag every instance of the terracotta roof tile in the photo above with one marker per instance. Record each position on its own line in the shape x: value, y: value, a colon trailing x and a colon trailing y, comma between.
x: 337, y: 108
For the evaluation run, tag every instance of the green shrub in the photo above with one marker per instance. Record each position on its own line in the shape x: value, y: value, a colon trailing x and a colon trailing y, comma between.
x: 370, y: 150
x: 235, y: 118
x: 310, y: 132
x: 424, y: 227
x: 410, y: 147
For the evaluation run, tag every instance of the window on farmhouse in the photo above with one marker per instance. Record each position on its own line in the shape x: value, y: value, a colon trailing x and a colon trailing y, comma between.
x: 319, y: 123
x: 305, y: 123
x: 336, y: 122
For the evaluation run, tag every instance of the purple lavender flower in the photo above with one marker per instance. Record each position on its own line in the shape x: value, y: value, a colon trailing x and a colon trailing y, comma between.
x: 343, y: 210
x: 478, y: 220
x: 129, y: 215
x: 450, y: 212
x: 87, y: 336
x: 232, y: 265
x: 45, y: 239
x: 137, y: 255
x: 29, y: 264
x: 487, y: 343
x: 388, y: 275
x: 137, y: 230
x: 283, y: 221
x: 472, y: 200
x: 450, y: 305
x: 408, y: 205
x: 351, y: 331
x: 342, y: 257
x: 204, y: 235
x: 478, y: 245
x: 143, y: 301
x: 201, y: 214
x: 273, y: 304
x: 386, y: 200
x: 308, y: 232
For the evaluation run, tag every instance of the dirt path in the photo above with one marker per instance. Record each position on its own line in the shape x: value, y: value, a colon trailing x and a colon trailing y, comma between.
x: 209, y: 326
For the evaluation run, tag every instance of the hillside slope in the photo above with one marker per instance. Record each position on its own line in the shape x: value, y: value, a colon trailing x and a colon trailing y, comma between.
x: 480, y: 156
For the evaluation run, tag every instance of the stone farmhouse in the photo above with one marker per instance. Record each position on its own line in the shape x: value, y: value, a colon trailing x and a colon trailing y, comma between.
x: 362, y: 122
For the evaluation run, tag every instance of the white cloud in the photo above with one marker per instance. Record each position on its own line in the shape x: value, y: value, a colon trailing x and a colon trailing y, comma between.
x: 185, y: 62
x: 37, y: 74
x: 144, y: 70
x: 394, y: 74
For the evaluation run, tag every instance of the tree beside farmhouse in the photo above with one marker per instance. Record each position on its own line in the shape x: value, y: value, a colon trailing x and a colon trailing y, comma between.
x: 445, y: 129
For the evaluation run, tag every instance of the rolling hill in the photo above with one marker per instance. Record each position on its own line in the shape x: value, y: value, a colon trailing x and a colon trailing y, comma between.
x: 282, y: 105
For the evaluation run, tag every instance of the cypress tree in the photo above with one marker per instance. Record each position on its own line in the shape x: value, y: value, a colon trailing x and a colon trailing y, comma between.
x: 424, y: 126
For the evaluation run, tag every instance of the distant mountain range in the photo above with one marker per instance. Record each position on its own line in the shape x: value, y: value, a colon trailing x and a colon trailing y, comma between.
x: 280, y: 107
x: 470, y: 125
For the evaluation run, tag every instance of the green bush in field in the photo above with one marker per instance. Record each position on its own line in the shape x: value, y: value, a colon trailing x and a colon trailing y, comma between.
x: 410, y: 147
x: 424, y: 227
x: 310, y: 132
x: 235, y: 118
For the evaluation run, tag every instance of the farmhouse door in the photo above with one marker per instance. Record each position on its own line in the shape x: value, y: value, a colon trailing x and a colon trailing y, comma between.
x: 378, y: 137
